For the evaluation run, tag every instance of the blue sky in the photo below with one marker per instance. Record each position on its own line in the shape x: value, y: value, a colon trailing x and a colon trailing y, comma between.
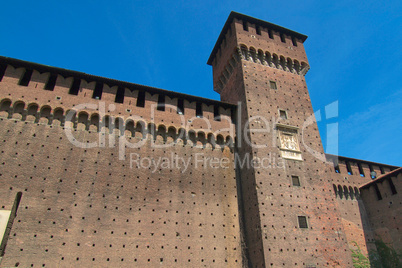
x: 354, y: 50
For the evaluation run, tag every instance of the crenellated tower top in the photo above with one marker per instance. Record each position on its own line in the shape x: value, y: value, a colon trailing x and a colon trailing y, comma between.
x: 251, y: 39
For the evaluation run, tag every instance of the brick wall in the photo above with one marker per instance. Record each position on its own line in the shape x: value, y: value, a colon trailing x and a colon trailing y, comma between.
x: 86, y: 207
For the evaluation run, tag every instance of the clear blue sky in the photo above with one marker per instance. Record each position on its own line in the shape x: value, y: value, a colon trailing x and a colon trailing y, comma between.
x: 354, y: 50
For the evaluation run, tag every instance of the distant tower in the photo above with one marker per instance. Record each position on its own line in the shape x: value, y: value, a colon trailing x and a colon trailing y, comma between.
x: 290, y: 216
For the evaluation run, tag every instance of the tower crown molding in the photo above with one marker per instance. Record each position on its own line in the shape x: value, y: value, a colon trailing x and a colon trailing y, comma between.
x: 260, y: 23
x: 263, y: 58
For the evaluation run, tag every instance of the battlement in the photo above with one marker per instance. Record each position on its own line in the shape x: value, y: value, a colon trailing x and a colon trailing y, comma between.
x: 349, y: 166
x: 48, y: 92
x: 261, y: 57
x: 249, y: 39
x: 110, y: 173
x: 255, y: 27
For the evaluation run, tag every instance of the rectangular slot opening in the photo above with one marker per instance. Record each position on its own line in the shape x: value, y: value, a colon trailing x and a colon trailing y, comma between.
x: 361, y: 171
x: 75, y: 87
x: 119, y: 95
x: 198, y: 110
x: 336, y: 167
x: 302, y: 222
x: 392, y: 186
x: 349, y: 168
x: 26, y: 77
x: 233, y: 115
x: 97, y: 95
x: 377, y: 191
x: 161, y: 103
x: 283, y: 38
x: 180, y: 106
x: 245, y: 26
x: 382, y: 170
x: 372, y: 172
x: 270, y: 34
x: 283, y: 114
x: 2, y: 71
x: 141, y: 99
x: 217, y: 115
x: 294, y: 41
x: 295, y: 181
x: 272, y: 85
x: 258, y: 30
x: 51, y: 82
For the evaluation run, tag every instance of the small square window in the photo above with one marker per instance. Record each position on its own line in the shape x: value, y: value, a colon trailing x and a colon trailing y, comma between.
x: 302, y: 222
x: 295, y: 181
x: 272, y: 85
x: 282, y: 114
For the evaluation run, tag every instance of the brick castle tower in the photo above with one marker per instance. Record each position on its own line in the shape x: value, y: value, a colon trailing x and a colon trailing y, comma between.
x: 290, y: 215
x: 105, y: 173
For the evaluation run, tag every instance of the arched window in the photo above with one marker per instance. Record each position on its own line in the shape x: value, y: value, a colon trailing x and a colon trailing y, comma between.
x: 244, y: 52
x: 268, y: 58
x: 162, y: 132
x: 275, y: 60
x: 140, y: 129
x: 357, y: 193
x: 201, y: 140
x: 58, y: 114
x: 192, y: 137
x: 335, y: 190
x: 182, y: 135
x: 351, y: 193
x: 70, y: 116
x: 45, y: 112
x: 340, y: 191
x: 296, y: 66
x: 253, y: 54
x: 220, y: 140
x: 107, y: 123
x: 19, y: 107
x: 211, y: 140
x: 261, y: 56
x: 229, y: 141
x: 95, y: 121
x: 152, y: 130
x: 83, y: 119
x: 5, y: 105
x: 33, y: 110
x: 346, y: 192
x: 172, y: 133
x: 130, y: 127
x: 119, y: 124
